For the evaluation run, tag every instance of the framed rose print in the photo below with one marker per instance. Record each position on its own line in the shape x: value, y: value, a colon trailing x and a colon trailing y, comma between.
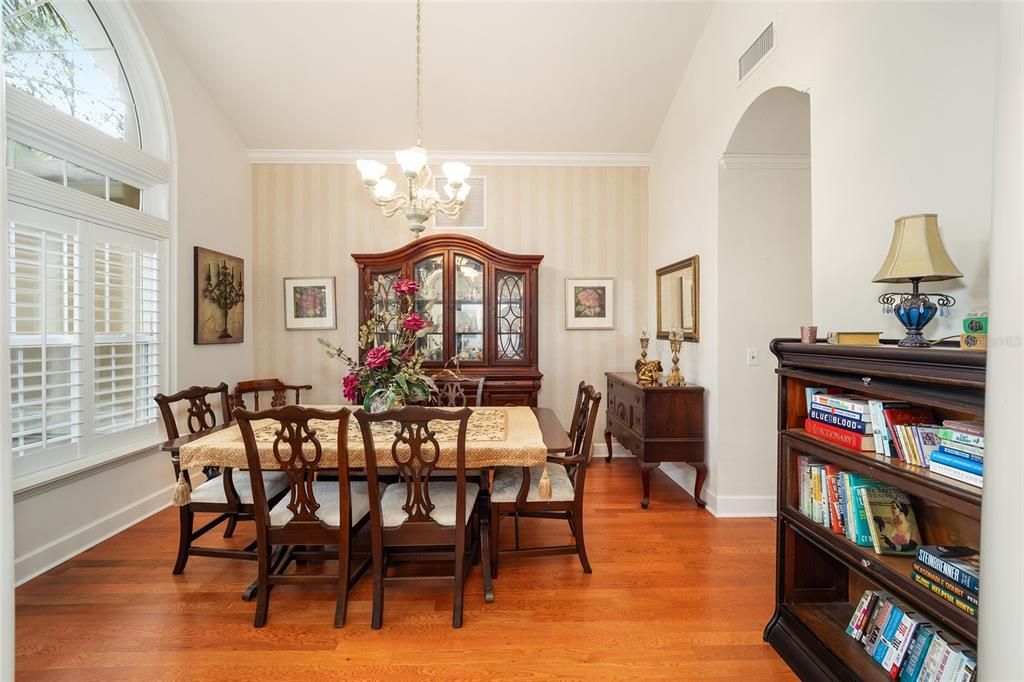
x: 589, y: 303
x: 309, y: 303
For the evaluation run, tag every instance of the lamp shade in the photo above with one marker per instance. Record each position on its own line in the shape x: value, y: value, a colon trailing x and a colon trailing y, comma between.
x: 917, y: 252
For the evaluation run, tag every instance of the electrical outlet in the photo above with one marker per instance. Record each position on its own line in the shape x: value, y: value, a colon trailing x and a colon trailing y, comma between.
x: 753, y: 358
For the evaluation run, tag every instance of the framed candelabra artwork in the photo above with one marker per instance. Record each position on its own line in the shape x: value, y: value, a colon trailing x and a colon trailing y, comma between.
x: 309, y: 303
x: 219, y: 298
x: 589, y: 303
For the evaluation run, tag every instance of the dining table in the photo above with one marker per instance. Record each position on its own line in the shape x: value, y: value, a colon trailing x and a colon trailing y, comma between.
x: 513, y: 436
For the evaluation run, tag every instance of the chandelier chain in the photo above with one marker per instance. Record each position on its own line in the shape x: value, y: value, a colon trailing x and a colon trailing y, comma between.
x: 419, y: 116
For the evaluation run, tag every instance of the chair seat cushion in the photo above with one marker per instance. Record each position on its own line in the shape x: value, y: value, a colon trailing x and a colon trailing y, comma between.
x: 508, y: 480
x: 212, y: 490
x: 327, y: 495
x: 442, y: 495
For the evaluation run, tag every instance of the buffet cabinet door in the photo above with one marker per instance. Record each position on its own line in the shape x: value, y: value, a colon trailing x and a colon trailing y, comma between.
x: 511, y: 317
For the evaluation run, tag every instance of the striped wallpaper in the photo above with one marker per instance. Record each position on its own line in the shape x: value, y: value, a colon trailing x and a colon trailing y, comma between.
x: 586, y: 221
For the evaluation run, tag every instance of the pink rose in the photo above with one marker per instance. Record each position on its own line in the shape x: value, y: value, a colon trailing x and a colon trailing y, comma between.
x: 414, y: 322
x: 407, y: 286
x: 589, y: 298
x: 349, y: 385
x: 378, y: 357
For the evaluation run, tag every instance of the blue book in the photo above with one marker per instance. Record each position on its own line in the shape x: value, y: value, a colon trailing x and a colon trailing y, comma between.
x: 942, y: 456
x: 918, y: 651
x: 885, y: 638
x: 954, y: 450
x: 960, y: 564
x: 824, y: 416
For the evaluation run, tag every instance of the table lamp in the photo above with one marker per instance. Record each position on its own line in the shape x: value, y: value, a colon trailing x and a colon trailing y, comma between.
x: 916, y: 255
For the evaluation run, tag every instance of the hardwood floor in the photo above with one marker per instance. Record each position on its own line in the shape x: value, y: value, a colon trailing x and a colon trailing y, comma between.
x: 675, y: 594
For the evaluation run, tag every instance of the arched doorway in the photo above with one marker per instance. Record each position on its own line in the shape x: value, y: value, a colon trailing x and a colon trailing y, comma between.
x: 764, y: 285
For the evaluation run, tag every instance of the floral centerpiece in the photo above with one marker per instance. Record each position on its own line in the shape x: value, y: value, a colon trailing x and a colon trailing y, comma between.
x: 388, y: 374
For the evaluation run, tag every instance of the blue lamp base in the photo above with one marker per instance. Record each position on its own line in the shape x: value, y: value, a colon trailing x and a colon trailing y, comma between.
x: 914, y: 311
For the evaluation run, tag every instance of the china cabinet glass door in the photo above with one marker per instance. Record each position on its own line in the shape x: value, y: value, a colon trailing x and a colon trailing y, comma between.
x: 510, y: 339
x: 469, y: 309
x: 429, y: 274
x: 385, y: 299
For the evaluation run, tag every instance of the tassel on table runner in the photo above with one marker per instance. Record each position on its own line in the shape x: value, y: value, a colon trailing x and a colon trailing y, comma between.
x: 182, y: 492
x: 544, y: 487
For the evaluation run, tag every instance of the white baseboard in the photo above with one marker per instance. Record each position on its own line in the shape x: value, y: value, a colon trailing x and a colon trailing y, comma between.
x: 741, y: 506
x: 53, y: 553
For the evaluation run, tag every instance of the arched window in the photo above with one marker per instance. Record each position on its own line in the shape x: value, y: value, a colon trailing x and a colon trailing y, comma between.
x: 87, y: 235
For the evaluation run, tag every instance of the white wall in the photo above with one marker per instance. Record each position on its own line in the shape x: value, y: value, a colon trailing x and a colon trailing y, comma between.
x: 212, y: 208
x: 901, y: 99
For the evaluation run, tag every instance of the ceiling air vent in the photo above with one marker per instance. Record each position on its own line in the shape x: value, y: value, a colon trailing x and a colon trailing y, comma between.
x: 474, y: 211
x: 756, y: 52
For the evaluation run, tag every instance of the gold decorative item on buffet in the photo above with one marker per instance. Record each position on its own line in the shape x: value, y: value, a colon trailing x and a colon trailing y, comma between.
x: 675, y: 342
x: 648, y: 372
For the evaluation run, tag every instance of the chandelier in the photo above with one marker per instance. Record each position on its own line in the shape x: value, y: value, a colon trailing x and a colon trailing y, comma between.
x: 418, y: 200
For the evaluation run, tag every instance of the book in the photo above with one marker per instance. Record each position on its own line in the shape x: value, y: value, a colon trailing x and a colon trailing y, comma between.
x: 970, y: 596
x: 900, y: 643
x: 816, y: 508
x: 907, y: 444
x: 956, y: 474
x: 879, y: 619
x: 891, y: 520
x: 811, y: 391
x: 838, y: 418
x: 974, y: 427
x: 858, y: 518
x: 916, y: 655
x: 854, y: 338
x: 885, y: 436
x: 875, y: 410
x: 848, y: 402
x: 961, y: 604
x: 958, y: 436
x: 834, y: 434
x: 953, y: 663
x: 928, y: 441
x: 960, y: 564
x: 970, y: 451
x: 933, y: 659
x: 904, y: 415
x: 888, y: 633
x: 834, y: 508
x: 948, y: 458
x: 855, y: 627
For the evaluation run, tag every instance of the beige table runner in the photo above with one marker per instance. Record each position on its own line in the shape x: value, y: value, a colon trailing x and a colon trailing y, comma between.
x: 496, y: 436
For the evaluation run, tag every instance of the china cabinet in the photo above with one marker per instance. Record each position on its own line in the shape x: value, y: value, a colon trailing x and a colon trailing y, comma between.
x: 483, y: 305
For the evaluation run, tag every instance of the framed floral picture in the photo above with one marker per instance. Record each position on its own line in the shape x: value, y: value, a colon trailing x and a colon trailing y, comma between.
x: 309, y: 303
x: 589, y: 303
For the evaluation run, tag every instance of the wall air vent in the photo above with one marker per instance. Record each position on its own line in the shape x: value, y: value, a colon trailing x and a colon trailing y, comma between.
x: 474, y: 211
x: 758, y: 51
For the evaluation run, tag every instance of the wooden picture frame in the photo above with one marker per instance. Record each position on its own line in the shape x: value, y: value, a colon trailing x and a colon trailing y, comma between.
x: 310, y: 303
x: 678, y: 299
x: 589, y: 303
x: 219, y: 298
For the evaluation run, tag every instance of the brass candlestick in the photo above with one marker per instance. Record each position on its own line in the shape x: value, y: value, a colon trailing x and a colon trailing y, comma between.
x: 675, y: 342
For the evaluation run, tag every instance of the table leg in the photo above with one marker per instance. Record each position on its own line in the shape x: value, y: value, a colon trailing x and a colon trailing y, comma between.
x: 645, y: 478
x: 484, y: 510
x: 608, y: 441
x: 698, y: 486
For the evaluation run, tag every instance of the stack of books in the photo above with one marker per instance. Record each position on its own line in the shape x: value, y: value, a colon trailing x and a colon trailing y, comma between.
x: 842, y: 419
x: 906, y: 645
x: 961, y: 451
x: 866, y: 511
x: 952, y: 573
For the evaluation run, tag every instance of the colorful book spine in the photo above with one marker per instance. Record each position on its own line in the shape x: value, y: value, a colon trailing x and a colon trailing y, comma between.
x: 835, y: 512
x: 900, y: 644
x: 954, y: 473
x: 849, y: 439
x: 855, y: 627
x: 839, y: 420
x: 961, y: 604
x: 945, y: 583
x: 973, y: 428
x: 885, y: 639
x: 955, y: 436
x: 938, y: 648
x: 843, y: 402
x: 956, y: 461
x: 878, y: 622
x: 971, y: 451
x: 918, y: 651
x: 930, y: 555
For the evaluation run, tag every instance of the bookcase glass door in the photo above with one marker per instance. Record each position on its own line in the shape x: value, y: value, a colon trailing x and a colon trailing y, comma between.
x: 429, y: 274
x: 469, y: 309
x: 386, y: 299
x: 510, y: 318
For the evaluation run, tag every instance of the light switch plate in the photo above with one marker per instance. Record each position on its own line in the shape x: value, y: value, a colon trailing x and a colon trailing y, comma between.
x: 753, y: 358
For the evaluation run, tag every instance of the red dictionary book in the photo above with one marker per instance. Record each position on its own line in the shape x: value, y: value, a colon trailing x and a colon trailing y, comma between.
x: 905, y: 415
x: 850, y: 439
x: 831, y: 474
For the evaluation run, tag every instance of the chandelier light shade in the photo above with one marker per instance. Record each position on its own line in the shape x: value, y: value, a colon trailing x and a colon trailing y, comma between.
x: 418, y: 199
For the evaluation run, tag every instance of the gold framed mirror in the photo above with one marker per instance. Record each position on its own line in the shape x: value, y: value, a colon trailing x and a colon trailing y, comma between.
x: 679, y: 299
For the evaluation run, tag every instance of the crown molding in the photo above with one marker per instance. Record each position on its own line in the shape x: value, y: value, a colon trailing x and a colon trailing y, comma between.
x: 347, y: 156
x: 766, y: 161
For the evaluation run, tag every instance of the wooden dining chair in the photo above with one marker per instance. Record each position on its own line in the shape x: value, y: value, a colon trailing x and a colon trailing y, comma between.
x: 419, y: 518
x: 568, y: 474
x: 315, y: 514
x: 278, y: 392
x: 574, y: 425
x: 452, y: 393
x: 225, y: 491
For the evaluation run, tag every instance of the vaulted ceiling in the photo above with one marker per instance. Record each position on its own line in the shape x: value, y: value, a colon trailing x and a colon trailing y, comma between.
x: 497, y: 76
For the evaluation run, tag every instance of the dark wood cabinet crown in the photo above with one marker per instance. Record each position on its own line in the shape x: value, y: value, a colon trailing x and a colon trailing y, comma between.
x: 482, y: 302
x: 821, y: 574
